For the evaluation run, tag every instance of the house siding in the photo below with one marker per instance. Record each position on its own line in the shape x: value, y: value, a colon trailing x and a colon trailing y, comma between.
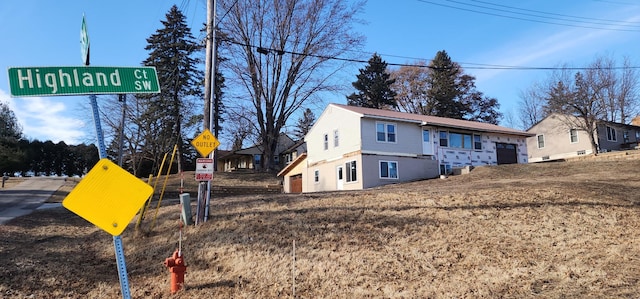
x: 557, y: 141
x: 620, y: 143
x: 328, y: 175
x: 348, y: 125
x: 558, y: 145
x: 460, y: 157
x: 409, y: 169
x: 300, y: 168
x: 408, y: 137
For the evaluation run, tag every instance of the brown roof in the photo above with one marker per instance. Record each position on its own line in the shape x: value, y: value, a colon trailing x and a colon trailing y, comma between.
x: 427, y: 120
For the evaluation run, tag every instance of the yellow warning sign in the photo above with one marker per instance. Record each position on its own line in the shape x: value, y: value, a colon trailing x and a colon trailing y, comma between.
x: 108, y: 196
x: 205, y: 143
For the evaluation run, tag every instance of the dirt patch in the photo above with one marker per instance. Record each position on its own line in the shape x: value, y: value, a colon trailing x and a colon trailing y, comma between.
x: 553, y: 230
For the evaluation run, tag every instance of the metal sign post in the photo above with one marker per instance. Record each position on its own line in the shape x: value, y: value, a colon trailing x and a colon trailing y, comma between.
x: 117, y: 240
x: 204, y: 143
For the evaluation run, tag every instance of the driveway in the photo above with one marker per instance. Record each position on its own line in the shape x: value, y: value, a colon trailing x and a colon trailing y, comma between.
x: 27, y: 196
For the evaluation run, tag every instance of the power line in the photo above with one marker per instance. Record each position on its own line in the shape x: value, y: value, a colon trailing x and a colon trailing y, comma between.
x: 622, y: 23
x: 474, y: 66
x: 523, y: 18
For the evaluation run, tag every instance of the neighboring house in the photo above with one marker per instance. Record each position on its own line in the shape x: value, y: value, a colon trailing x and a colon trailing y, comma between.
x: 220, y: 162
x: 351, y: 148
x: 289, y: 155
x: 555, y: 139
x: 251, y: 157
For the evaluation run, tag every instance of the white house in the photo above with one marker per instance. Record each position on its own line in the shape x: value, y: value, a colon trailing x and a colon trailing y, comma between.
x: 351, y: 148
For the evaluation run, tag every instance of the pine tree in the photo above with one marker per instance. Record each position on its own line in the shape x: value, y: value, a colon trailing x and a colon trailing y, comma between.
x: 304, y: 124
x: 444, y: 89
x: 10, y: 134
x: 172, y: 50
x: 373, y: 86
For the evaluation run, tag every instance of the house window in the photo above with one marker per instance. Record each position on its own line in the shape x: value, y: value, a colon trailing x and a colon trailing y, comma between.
x: 573, y: 133
x: 444, y: 139
x: 445, y: 169
x: 425, y: 136
x: 611, y: 134
x: 336, y: 139
x: 540, y: 141
x: 316, y: 176
x: 477, y: 142
x: 386, y: 132
x: 388, y: 170
x: 326, y: 142
x: 625, y: 136
x: 459, y: 140
x: 352, y: 174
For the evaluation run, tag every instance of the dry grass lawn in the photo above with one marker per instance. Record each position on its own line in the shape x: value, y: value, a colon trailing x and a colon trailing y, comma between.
x: 554, y: 230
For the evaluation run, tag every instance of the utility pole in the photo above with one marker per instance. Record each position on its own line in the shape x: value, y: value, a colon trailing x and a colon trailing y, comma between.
x: 204, y: 188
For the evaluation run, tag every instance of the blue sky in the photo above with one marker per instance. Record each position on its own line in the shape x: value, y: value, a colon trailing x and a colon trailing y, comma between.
x: 475, y: 33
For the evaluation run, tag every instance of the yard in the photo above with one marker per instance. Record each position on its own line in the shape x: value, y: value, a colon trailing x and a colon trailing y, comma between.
x: 552, y: 230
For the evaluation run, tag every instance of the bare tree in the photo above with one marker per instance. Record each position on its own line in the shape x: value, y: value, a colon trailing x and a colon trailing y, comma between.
x: 532, y: 102
x: 411, y: 88
x: 281, y: 54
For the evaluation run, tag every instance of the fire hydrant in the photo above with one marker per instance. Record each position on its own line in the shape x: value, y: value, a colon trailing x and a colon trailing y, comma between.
x: 177, y: 268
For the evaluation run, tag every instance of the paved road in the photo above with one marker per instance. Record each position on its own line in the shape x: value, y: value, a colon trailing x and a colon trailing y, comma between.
x: 24, y: 198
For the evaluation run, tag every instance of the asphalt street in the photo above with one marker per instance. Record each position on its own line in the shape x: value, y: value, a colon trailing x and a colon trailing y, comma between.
x: 26, y: 197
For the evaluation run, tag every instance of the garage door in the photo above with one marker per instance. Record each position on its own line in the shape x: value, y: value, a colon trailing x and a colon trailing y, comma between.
x: 295, y: 183
x: 506, y: 153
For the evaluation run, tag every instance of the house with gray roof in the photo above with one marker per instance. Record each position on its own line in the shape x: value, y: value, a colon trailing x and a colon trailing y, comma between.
x: 352, y: 148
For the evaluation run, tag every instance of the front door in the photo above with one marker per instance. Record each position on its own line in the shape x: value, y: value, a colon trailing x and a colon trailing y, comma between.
x: 427, y: 145
x: 340, y: 177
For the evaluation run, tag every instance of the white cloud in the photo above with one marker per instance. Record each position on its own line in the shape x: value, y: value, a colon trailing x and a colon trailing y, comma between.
x: 45, y: 119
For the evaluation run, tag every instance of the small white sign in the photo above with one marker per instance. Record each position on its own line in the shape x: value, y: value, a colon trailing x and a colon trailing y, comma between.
x: 204, y: 169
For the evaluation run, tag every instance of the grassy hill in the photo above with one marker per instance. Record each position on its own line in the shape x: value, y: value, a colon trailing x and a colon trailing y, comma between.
x: 552, y: 230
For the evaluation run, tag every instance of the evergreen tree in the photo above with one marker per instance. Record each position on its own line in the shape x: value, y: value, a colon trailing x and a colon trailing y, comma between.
x: 444, y: 87
x: 172, y: 51
x: 373, y: 86
x: 452, y: 93
x: 10, y: 134
x: 304, y: 124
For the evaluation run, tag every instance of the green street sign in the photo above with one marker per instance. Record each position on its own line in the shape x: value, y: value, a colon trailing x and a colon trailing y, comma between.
x: 81, y: 80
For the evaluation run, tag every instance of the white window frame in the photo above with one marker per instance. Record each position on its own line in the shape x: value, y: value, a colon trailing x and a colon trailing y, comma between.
x: 336, y: 138
x: 388, y: 177
x: 316, y: 176
x: 446, y: 139
x: 350, y: 176
x: 477, y: 144
x: 611, y: 134
x: 538, y: 141
x: 386, y: 132
x: 573, y: 133
x: 326, y: 141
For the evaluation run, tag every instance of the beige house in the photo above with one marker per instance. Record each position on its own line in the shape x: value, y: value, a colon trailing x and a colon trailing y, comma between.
x: 351, y: 148
x: 556, y: 138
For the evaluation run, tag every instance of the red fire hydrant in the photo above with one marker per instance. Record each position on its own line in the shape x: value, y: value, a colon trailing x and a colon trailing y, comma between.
x: 177, y: 268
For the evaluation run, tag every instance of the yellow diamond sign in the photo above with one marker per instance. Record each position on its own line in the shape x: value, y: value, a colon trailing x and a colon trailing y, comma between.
x: 108, y: 196
x: 205, y: 143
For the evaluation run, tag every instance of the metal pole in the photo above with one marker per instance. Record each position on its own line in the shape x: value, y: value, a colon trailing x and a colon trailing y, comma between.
x: 122, y: 98
x: 209, y: 86
x: 117, y: 240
